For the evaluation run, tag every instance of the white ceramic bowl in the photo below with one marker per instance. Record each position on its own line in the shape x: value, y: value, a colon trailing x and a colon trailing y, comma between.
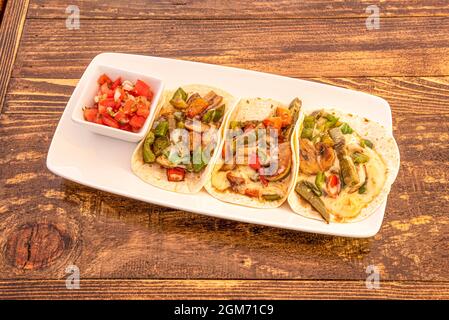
x: 90, y: 89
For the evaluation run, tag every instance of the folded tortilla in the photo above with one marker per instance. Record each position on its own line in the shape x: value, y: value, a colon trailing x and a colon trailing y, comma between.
x: 354, y: 206
x: 253, y: 110
x: 154, y: 174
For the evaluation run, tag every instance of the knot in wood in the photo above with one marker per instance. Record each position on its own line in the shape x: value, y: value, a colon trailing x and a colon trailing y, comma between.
x: 35, y: 246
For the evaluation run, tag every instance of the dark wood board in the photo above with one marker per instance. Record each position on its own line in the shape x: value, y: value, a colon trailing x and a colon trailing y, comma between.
x: 298, y: 48
x: 129, y: 249
x: 235, y: 9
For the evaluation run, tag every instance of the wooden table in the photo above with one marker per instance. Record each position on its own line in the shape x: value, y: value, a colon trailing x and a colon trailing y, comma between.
x: 129, y: 249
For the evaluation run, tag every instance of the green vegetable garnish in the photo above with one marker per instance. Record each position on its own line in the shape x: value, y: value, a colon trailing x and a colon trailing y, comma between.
x: 319, y: 180
x: 331, y: 120
x: 346, y: 129
x: 366, y: 143
x: 208, y: 116
x: 312, y: 187
x: 160, y: 144
x: 148, y: 155
x: 304, y: 190
x: 218, y: 113
x: 362, y: 189
x: 161, y: 129
x: 198, y: 160
x: 179, y: 116
x: 309, y: 122
x: 180, y: 125
x: 271, y: 197
x: 327, y: 140
x: 179, y: 99
x: 358, y: 157
x: 307, y: 133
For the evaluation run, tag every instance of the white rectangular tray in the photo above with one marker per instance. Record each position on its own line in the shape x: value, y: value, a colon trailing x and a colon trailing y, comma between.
x: 104, y: 163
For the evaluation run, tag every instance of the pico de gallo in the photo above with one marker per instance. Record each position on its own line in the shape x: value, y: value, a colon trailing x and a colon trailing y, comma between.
x: 120, y: 104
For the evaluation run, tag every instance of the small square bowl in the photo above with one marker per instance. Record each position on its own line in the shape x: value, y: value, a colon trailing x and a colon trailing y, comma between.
x: 91, y: 88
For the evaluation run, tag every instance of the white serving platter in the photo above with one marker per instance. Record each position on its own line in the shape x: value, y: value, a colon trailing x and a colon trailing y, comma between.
x: 103, y: 163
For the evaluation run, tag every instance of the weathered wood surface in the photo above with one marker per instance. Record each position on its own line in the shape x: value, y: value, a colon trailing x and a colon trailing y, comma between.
x: 47, y: 223
x: 11, y: 26
x: 298, y: 48
x: 235, y: 9
x: 157, y: 242
x: 219, y: 289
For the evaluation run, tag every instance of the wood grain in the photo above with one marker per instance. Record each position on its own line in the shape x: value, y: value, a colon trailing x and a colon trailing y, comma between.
x: 48, y: 223
x: 407, y: 95
x: 234, y: 9
x: 217, y: 289
x: 123, y: 238
x: 10, y: 31
x: 2, y: 9
x: 300, y: 48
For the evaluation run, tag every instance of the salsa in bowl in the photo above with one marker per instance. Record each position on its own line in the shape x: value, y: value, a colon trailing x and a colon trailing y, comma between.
x: 118, y: 103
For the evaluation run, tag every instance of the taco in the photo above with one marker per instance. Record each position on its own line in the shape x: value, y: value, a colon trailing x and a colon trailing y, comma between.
x: 254, y: 168
x: 347, y: 165
x: 176, y: 152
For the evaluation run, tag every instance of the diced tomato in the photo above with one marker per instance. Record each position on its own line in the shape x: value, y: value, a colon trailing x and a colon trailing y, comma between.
x: 137, y: 122
x: 90, y: 114
x: 120, y: 111
x: 142, y: 110
x: 252, y: 193
x: 122, y: 94
x: 116, y: 83
x: 121, y: 117
x: 333, y: 185
x: 273, y: 122
x: 176, y: 174
x: 105, y: 90
x: 142, y: 89
x: 99, y: 119
x: 254, y: 162
x: 118, y: 104
x: 285, y: 116
x: 110, y: 121
x: 128, y: 107
x: 125, y: 127
x: 107, y: 103
x: 263, y: 180
x: 333, y: 180
x: 102, y: 109
x: 104, y: 79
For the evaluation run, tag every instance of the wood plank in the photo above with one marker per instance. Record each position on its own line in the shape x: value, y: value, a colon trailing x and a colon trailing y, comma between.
x: 109, y: 236
x: 301, y: 48
x: 2, y: 4
x: 10, y: 32
x: 407, y: 95
x: 234, y: 9
x: 219, y: 289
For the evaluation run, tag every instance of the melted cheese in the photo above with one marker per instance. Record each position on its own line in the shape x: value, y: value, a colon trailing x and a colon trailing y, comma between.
x: 349, y: 205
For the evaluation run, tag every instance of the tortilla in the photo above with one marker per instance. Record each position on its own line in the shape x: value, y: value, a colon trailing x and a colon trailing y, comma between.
x: 153, y: 173
x: 252, y: 110
x: 385, y: 149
